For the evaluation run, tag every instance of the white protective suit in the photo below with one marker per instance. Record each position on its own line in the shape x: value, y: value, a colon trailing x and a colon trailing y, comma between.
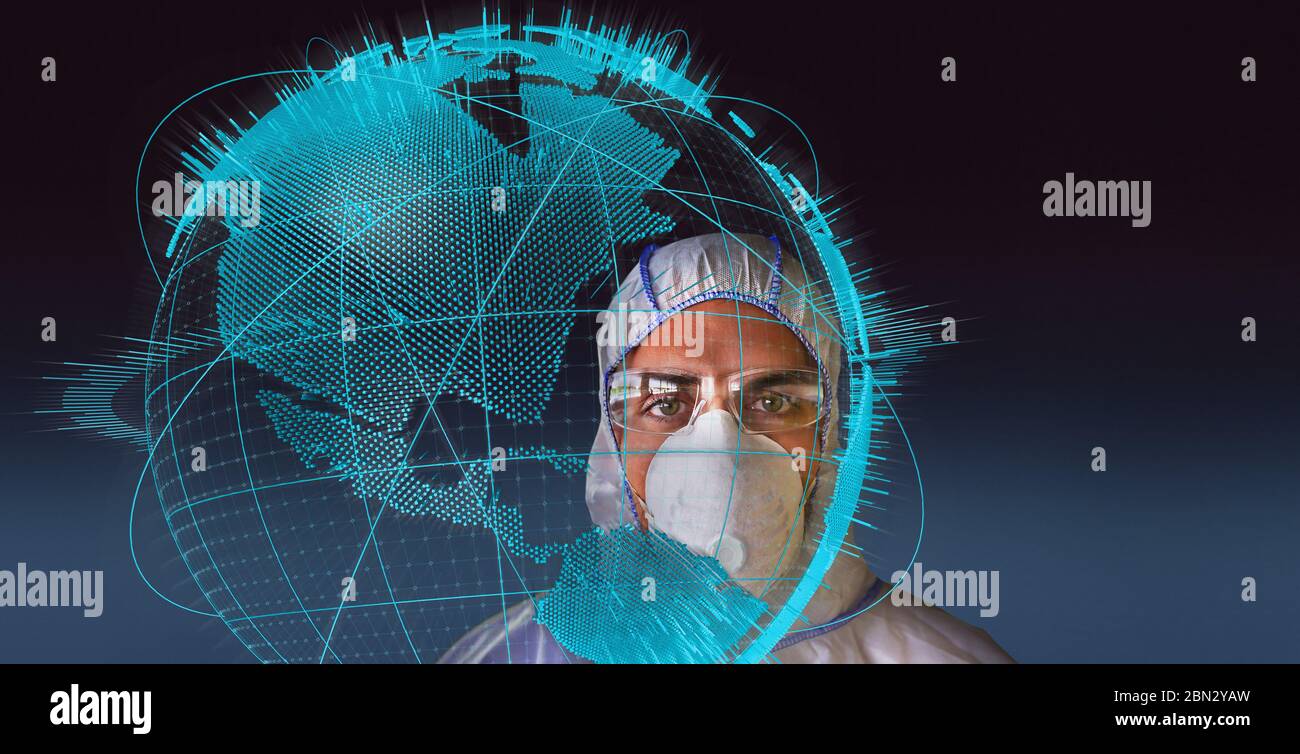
x: 751, y: 269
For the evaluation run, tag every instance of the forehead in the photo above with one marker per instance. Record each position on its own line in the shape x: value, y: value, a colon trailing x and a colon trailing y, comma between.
x: 721, y: 336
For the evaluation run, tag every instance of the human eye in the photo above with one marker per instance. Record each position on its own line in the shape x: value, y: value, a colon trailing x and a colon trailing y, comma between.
x: 664, y: 406
x: 773, y: 402
x: 777, y: 399
x: 653, y: 401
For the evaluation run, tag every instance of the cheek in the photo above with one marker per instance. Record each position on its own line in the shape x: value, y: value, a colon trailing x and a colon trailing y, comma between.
x: 638, y: 464
x: 803, y: 442
x: 637, y: 454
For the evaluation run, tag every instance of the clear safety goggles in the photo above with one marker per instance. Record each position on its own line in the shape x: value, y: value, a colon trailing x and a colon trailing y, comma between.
x: 658, y: 401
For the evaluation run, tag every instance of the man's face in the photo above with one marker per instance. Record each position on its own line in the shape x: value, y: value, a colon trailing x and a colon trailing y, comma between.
x: 716, y: 339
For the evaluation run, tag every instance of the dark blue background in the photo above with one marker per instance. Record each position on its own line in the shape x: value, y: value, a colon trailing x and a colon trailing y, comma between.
x: 1074, y: 332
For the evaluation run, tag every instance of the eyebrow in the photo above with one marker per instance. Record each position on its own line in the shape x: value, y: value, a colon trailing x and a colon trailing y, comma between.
x: 785, y: 377
x: 777, y: 377
x: 623, y: 382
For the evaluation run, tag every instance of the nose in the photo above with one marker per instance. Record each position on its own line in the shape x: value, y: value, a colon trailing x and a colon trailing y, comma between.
x: 713, y: 402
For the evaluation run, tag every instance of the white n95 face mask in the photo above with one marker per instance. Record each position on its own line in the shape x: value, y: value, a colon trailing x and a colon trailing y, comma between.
x: 729, y: 495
